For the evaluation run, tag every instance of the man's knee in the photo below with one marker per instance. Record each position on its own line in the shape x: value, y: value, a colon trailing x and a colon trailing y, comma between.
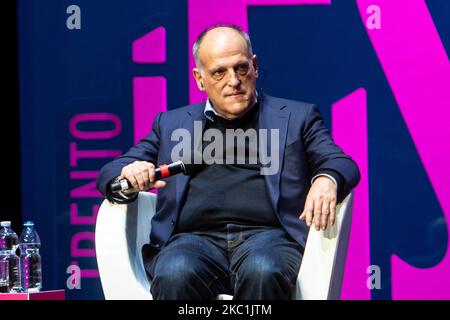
x: 262, y: 267
x: 263, y: 277
x: 180, y: 277
x: 176, y: 271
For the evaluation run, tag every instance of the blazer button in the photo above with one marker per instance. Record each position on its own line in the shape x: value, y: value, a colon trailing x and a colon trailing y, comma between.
x: 172, y: 222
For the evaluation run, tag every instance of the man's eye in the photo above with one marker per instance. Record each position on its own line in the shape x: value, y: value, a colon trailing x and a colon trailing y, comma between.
x: 242, y: 70
x: 218, y: 75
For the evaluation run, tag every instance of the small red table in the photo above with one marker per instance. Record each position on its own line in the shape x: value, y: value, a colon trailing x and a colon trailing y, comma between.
x: 42, y: 295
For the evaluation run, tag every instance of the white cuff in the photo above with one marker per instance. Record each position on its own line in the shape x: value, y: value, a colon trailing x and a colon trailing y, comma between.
x: 325, y: 175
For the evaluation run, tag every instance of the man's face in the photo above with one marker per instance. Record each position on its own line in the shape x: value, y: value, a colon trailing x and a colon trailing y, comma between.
x: 227, y: 74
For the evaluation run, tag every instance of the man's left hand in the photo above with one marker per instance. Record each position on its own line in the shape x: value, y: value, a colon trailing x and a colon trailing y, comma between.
x: 320, y: 203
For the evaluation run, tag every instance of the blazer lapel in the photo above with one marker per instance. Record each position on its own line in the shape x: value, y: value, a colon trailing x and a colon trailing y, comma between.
x: 273, y: 117
x: 195, y: 115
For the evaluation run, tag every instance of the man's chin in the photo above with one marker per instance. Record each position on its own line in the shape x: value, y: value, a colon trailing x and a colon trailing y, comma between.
x: 239, y: 109
x: 238, y: 100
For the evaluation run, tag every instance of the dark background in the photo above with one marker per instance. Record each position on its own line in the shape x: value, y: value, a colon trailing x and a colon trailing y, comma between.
x: 10, y: 207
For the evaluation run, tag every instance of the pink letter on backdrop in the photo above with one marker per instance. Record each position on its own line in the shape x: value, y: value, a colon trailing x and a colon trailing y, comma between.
x: 149, y: 93
x: 75, y: 249
x: 205, y: 13
x: 87, y: 273
x: 88, y: 190
x: 151, y: 48
x: 149, y: 98
x: 418, y: 71
x: 77, y: 219
x: 76, y: 154
x: 349, y: 124
x: 91, y: 117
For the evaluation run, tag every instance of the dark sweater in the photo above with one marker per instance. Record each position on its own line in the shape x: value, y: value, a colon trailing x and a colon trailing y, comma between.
x: 219, y: 194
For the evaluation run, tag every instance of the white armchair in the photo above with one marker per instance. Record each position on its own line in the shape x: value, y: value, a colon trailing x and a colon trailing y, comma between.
x: 122, y: 230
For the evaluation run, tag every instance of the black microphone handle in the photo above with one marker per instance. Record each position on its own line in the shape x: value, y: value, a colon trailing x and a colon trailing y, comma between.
x: 158, y: 174
x: 169, y: 170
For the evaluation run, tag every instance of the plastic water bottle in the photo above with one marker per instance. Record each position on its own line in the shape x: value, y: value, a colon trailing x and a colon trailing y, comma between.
x: 12, y: 243
x: 30, y: 259
x: 4, y: 263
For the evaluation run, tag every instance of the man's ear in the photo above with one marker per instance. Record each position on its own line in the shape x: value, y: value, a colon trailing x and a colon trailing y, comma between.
x: 198, y: 78
x: 255, y: 64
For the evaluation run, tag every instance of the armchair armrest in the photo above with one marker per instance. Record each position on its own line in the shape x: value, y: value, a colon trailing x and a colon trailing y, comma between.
x: 120, y: 232
x: 322, y: 269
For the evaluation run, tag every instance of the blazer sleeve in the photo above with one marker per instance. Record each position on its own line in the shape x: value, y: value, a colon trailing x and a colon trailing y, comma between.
x: 146, y: 150
x: 323, y: 154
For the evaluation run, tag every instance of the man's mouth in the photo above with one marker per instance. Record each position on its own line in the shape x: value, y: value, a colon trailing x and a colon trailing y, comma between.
x: 235, y: 94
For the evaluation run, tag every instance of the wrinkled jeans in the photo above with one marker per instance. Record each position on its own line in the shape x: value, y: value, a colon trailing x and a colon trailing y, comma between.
x: 250, y: 263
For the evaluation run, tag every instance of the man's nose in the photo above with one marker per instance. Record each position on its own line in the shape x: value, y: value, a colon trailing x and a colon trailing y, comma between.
x: 234, y: 80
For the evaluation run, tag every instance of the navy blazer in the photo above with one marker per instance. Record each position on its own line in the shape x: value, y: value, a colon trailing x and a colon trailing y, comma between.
x: 306, y: 148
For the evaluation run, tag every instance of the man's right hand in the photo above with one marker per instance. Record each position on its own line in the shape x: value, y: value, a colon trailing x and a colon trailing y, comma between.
x: 141, y: 175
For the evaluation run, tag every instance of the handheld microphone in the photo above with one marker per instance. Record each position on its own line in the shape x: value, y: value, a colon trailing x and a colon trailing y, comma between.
x: 163, y: 171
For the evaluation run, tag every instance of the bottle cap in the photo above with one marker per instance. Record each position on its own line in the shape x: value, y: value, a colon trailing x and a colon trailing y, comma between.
x: 28, y: 223
x: 5, y: 223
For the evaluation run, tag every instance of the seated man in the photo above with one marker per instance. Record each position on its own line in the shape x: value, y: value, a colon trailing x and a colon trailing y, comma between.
x: 235, y: 225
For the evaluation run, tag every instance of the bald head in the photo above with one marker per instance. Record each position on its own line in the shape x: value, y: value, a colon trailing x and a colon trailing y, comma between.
x: 220, y: 37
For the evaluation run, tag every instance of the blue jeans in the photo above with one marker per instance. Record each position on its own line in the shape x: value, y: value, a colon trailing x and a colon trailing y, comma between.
x: 247, y: 262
